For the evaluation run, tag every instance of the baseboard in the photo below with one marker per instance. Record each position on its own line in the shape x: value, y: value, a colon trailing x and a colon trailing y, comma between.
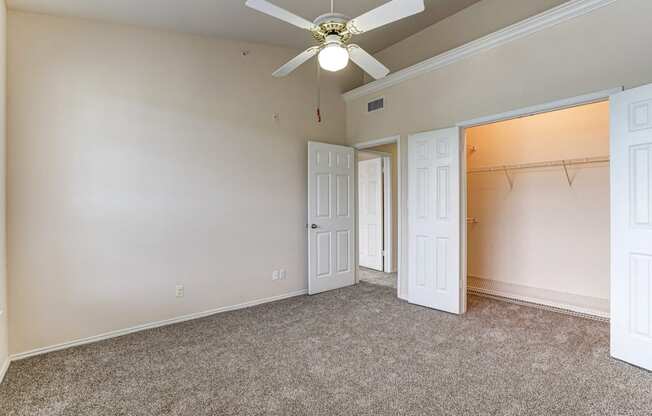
x: 4, y: 368
x: 574, y: 304
x: 138, y: 328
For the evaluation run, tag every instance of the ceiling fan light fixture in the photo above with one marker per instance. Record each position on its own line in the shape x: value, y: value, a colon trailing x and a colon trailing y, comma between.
x: 333, y: 31
x: 334, y: 56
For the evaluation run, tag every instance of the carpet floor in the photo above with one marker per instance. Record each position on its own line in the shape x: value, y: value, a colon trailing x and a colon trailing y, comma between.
x: 353, y: 351
x: 377, y: 278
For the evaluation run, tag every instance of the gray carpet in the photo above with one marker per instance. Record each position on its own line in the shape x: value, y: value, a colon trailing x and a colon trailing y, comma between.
x: 330, y: 355
x: 377, y: 278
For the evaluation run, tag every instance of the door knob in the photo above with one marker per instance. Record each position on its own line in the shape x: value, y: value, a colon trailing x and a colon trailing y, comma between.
x: 313, y: 226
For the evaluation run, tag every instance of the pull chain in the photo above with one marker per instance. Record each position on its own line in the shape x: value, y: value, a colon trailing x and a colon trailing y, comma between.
x: 318, y: 93
x: 319, y: 77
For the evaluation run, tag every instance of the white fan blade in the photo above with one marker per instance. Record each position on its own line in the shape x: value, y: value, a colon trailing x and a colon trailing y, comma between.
x: 295, y: 62
x: 275, y: 11
x: 368, y: 63
x: 387, y: 13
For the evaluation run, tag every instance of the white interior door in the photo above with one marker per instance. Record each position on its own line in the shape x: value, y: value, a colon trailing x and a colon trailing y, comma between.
x: 631, y: 233
x: 331, y: 217
x: 370, y: 197
x: 434, y: 220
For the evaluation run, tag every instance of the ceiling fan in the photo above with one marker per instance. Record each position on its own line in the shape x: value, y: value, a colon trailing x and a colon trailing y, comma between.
x: 333, y: 31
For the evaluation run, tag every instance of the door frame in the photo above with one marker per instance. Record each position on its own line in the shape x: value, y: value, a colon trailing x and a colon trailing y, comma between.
x: 388, y: 214
x: 385, y: 244
x: 401, y: 287
x: 580, y: 100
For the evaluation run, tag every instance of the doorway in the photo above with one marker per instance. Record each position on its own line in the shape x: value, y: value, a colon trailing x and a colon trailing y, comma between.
x: 538, y: 210
x: 378, y: 218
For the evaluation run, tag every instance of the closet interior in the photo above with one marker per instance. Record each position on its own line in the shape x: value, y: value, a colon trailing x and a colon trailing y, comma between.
x: 538, y: 209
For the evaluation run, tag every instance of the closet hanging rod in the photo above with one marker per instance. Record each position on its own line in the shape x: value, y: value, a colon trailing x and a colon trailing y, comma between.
x: 546, y: 164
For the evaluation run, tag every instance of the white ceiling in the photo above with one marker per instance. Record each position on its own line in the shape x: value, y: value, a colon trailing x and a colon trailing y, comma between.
x: 231, y: 19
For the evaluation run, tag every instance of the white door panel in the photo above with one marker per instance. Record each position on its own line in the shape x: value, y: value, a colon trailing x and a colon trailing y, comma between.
x: 631, y: 234
x: 434, y: 220
x: 370, y: 180
x: 331, y: 217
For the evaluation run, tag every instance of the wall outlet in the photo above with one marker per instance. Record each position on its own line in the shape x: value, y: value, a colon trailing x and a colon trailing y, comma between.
x: 275, y: 275
x: 283, y: 274
x: 179, y: 291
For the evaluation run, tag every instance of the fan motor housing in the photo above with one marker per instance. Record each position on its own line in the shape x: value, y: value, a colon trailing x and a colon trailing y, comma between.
x: 331, y: 24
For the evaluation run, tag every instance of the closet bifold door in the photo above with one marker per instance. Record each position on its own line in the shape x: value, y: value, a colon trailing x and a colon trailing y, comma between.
x: 434, y: 220
x: 631, y: 220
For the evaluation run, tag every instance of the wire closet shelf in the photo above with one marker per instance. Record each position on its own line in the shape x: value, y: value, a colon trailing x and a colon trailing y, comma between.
x: 565, y: 163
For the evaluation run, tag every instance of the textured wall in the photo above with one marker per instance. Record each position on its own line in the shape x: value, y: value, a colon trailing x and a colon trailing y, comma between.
x: 143, y: 159
x: 4, y: 330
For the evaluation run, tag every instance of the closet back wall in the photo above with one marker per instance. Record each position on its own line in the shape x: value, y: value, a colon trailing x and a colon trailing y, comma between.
x: 543, y: 233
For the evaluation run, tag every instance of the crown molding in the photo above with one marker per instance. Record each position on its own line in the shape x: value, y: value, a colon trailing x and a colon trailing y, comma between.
x: 542, y: 21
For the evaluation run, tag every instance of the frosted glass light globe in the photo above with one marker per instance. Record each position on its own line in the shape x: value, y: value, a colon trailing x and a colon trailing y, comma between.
x: 333, y: 58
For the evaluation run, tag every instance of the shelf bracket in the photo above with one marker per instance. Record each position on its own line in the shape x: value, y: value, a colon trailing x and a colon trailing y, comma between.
x: 509, y: 178
x: 568, y: 178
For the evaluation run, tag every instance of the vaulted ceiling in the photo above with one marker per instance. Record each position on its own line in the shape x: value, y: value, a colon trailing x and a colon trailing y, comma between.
x: 231, y: 19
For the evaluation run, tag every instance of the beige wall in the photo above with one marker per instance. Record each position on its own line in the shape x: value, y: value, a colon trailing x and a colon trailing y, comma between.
x: 600, y: 50
x: 478, y: 20
x: 542, y: 233
x: 603, y: 49
x: 4, y: 330
x: 142, y: 159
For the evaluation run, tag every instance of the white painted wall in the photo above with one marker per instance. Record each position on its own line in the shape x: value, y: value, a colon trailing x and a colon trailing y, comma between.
x: 4, y: 330
x: 142, y: 159
x: 542, y: 233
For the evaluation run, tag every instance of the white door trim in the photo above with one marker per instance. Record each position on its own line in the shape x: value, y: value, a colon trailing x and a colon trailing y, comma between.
x: 377, y: 142
x: 388, y: 216
x: 388, y: 212
x: 401, y: 266
x: 543, y: 108
x: 371, y: 215
x: 518, y: 113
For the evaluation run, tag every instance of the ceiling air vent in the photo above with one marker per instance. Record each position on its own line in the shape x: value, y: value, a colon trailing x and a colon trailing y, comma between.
x: 376, y: 105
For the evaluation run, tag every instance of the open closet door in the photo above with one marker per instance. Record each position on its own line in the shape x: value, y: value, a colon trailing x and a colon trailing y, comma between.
x: 434, y: 220
x: 370, y: 229
x: 631, y: 222
x: 331, y: 217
